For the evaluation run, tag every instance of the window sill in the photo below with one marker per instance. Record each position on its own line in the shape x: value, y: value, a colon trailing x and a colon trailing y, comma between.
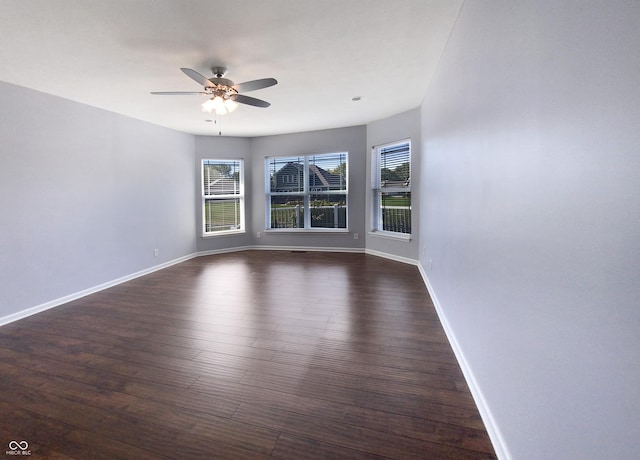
x: 405, y: 237
x: 305, y: 230
x: 224, y: 233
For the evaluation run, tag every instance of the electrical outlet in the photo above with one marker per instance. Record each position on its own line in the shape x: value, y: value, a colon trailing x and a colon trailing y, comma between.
x: 258, y: 234
x: 156, y: 252
x: 430, y: 264
x: 356, y: 236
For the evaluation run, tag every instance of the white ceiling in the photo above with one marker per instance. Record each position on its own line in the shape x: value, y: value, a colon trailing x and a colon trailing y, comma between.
x: 112, y: 53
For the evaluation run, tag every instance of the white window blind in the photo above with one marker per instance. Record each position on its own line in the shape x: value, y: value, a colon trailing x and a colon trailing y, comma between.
x: 391, y: 183
x: 222, y: 196
x: 307, y: 192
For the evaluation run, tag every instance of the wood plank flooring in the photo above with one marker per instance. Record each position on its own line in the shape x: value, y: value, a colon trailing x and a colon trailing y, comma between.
x: 255, y: 354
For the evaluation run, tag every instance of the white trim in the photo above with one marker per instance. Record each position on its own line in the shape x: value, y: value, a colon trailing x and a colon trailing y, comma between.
x: 404, y: 237
x: 280, y: 248
x: 386, y: 255
x: 485, y: 412
x: 85, y: 292
x: 377, y: 187
x: 306, y: 192
x: 223, y: 233
x: 288, y: 231
x: 235, y: 196
x: 307, y: 249
x: 406, y: 140
x: 213, y: 252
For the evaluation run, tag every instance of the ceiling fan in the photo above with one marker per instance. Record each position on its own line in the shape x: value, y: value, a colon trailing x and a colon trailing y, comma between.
x: 224, y: 94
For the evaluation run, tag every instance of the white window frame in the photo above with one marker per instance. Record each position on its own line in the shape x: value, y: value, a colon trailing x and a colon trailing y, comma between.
x: 379, y: 189
x: 306, y: 192
x: 238, y: 194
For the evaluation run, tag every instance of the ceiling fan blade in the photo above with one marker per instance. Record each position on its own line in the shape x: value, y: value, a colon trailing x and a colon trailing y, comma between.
x: 175, y: 93
x: 197, y: 77
x: 255, y: 84
x: 242, y: 99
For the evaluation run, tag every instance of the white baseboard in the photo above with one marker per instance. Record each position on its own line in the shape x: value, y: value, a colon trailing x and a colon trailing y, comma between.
x: 307, y: 248
x: 213, y: 252
x: 490, y: 424
x: 386, y: 255
x: 279, y: 248
x: 85, y: 292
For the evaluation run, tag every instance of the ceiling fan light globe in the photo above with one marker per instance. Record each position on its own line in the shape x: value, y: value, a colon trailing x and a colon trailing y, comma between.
x: 230, y: 105
x: 218, y: 103
x: 208, y: 106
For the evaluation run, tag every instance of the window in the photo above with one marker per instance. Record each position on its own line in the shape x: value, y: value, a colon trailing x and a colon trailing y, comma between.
x: 307, y: 192
x: 391, y: 183
x: 222, y: 196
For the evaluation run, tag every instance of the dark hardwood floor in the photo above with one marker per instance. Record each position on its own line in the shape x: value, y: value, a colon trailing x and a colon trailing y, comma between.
x: 256, y: 354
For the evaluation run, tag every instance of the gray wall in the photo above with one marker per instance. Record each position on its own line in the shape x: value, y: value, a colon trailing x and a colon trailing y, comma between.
x: 531, y: 215
x: 86, y: 196
x: 351, y: 140
x: 405, y: 125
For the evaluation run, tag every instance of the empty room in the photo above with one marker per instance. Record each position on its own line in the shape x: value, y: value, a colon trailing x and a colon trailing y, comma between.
x: 320, y: 229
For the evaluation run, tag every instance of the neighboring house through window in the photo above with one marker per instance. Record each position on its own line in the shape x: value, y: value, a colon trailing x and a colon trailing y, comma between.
x: 222, y: 196
x: 306, y: 192
x: 391, y: 183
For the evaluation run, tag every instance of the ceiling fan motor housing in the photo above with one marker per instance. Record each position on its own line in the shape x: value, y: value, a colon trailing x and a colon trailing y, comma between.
x: 223, y: 85
x: 221, y: 81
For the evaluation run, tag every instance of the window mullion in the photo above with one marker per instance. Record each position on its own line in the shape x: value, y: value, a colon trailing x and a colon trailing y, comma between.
x: 307, y: 202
